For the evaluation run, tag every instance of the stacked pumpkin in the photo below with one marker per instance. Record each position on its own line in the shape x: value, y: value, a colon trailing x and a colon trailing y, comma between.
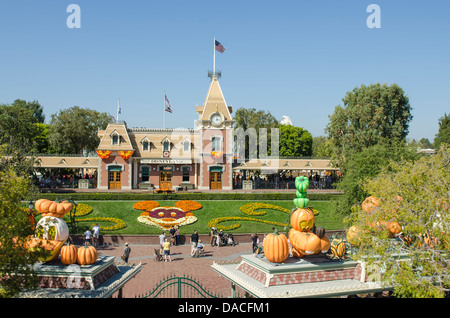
x: 303, y: 240
x: 52, y: 232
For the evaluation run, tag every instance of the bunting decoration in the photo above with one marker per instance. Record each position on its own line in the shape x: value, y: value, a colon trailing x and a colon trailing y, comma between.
x: 126, y: 154
x: 104, y: 154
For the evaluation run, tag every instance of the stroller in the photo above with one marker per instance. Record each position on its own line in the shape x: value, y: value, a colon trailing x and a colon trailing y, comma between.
x: 158, y: 256
x: 230, y: 240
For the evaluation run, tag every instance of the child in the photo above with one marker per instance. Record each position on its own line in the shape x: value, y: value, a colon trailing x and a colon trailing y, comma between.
x: 87, y: 239
x: 166, y: 248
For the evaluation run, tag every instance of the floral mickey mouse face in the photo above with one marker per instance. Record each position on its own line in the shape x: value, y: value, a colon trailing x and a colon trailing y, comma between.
x: 165, y: 217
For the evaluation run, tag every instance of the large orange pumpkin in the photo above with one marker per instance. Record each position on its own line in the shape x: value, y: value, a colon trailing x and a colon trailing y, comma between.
x: 69, y: 254
x: 302, y: 219
x: 324, y: 245
x: 276, y: 247
x: 52, y: 208
x: 86, y: 255
x: 370, y: 203
x: 304, y: 242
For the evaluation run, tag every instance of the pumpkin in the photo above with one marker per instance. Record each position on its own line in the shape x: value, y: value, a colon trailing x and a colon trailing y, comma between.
x: 52, y: 246
x: 338, y: 248
x: 296, y: 253
x: 69, y: 254
x: 394, y: 228
x: 304, y: 242
x: 353, y: 235
x: 52, y: 228
x: 370, y: 203
x: 86, y: 255
x: 320, y: 232
x: 276, y: 247
x: 302, y: 219
x: 301, y: 183
x: 324, y: 245
x: 52, y: 208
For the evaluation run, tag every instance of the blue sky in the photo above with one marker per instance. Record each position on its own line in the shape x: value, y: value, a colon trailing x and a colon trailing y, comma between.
x: 295, y: 58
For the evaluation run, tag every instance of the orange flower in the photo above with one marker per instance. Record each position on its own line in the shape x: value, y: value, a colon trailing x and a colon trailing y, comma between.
x: 145, y: 205
x: 188, y: 205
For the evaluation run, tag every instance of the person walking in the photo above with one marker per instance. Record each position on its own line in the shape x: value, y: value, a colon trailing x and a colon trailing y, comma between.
x: 194, y: 242
x: 166, y: 248
x: 96, y: 233
x: 162, y: 239
x: 255, y: 242
x: 126, y: 253
x: 87, y: 237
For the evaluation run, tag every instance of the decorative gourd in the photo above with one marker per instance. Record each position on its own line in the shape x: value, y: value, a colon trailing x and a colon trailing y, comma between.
x: 276, y: 247
x: 52, y: 208
x: 86, y: 255
x: 304, y: 242
x: 301, y: 184
x: 320, y: 232
x: 302, y: 219
x: 69, y: 254
x: 338, y: 248
x: 353, y: 235
x: 394, y: 228
x: 370, y: 203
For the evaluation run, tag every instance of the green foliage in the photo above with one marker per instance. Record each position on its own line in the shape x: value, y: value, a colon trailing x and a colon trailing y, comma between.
x: 295, y: 142
x: 367, y: 164
x: 118, y: 196
x: 416, y: 195
x: 371, y: 115
x: 321, y: 147
x: 74, y: 129
x: 443, y: 135
x: 14, y: 227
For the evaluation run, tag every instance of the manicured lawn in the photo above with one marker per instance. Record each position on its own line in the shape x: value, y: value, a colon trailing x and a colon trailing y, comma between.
x: 210, y: 209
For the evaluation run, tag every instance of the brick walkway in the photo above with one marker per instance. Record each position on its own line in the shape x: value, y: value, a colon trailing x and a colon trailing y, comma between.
x: 182, y: 264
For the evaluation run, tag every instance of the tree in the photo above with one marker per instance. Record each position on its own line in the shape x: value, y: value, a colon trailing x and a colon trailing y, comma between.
x: 371, y: 115
x: 15, y: 260
x: 34, y: 106
x: 17, y: 128
x: 75, y: 129
x: 368, y: 131
x: 321, y: 147
x: 443, y: 134
x: 415, y: 194
x: 248, y: 123
x: 295, y: 141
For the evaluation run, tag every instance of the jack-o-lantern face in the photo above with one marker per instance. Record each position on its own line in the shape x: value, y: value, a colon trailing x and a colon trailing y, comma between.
x: 302, y: 220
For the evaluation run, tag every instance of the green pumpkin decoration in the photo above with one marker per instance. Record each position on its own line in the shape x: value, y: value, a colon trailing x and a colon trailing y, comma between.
x: 302, y: 183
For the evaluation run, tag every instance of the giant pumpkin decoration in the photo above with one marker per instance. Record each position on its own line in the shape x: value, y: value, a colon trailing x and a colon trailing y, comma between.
x: 276, y: 247
x: 51, y: 246
x: 52, y: 208
x: 304, y: 242
x: 86, y: 255
x: 302, y: 219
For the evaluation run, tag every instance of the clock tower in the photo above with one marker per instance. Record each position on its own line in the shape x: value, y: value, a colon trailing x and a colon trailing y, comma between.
x: 215, y: 124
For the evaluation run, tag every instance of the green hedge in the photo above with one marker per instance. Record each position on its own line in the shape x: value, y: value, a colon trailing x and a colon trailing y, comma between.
x: 183, y: 196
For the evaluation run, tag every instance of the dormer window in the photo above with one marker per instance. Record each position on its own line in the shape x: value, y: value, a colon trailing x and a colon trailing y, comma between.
x: 145, y: 144
x: 187, y: 146
x: 115, y: 138
x: 166, y: 146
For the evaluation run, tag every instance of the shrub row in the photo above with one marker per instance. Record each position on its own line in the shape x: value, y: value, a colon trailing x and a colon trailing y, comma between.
x: 183, y: 196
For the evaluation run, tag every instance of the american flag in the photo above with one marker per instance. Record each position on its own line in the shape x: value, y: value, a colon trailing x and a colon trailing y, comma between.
x: 219, y: 47
x: 168, y: 109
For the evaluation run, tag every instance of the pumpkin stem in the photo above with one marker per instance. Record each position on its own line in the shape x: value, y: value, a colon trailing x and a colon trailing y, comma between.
x: 275, y: 231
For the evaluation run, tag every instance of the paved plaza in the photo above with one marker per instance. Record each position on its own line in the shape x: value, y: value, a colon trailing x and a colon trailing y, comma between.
x: 182, y: 264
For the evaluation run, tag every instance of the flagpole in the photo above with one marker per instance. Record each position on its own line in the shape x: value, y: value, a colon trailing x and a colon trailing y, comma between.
x: 164, y: 111
x: 118, y: 109
x: 214, y: 59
